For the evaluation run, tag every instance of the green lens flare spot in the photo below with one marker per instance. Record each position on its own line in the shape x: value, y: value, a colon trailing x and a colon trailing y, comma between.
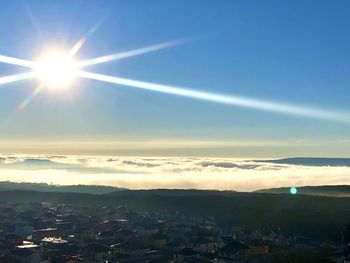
x: 293, y: 190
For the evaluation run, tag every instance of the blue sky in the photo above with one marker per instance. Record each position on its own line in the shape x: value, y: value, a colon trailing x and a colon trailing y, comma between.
x: 292, y: 52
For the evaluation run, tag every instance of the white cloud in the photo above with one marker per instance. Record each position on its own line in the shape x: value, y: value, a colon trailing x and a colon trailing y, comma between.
x: 170, y: 172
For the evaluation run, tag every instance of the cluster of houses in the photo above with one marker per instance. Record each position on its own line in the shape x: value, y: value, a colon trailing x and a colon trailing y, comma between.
x: 43, y: 232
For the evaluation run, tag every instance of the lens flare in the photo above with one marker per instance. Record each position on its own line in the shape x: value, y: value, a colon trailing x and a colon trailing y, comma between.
x: 29, y: 99
x: 83, y: 40
x: 77, y: 46
x: 293, y: 190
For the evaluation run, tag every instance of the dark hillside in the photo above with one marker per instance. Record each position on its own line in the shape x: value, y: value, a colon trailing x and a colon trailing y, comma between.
x: 314, y: 216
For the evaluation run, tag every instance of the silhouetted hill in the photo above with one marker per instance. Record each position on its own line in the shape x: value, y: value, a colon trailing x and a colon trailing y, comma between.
x: 313, y: 216
x: 325, y: 190
x: 311, y: 161
x: 92, y: 189
x: 177, y: 192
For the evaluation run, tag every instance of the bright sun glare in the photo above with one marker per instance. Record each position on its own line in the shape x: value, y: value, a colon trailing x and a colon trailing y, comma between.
x: 56, y: 69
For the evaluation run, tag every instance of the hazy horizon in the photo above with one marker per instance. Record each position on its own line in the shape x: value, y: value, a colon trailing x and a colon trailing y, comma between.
x: 182, y: 147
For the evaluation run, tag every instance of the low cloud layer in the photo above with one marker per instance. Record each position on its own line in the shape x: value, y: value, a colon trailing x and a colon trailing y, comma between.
x: 147, y: 173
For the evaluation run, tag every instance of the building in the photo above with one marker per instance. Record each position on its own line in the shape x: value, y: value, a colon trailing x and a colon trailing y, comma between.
x: 203, y: 245
x: 186, y: 255
x: 134, y: 248
x: 234, y: 252
x: 158, y: 240
x: 53, y: 244
x: 25, y: 255
x: 96, y: 252
x: 38, y: 235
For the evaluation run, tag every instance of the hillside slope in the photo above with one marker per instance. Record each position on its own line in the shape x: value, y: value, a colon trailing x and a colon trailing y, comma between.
x: 313, y: 216
x: 324, y: 190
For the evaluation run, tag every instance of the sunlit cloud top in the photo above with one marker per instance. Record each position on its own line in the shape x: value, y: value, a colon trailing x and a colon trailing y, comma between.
x: 150, y: 173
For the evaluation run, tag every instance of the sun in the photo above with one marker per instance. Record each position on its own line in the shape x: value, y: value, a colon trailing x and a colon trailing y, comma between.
x: 56, y: 69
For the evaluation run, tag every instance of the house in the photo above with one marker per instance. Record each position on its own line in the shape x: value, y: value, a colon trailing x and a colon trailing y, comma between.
x: 3, y: 246
x: 233, y: 252
x: 119, y: 257
x: 105, y: 235
x: 151, y: 228
x: 39, y: 234
x: 13, y: 239
x: 96, y: 252
x: 75, y: 259
x: 175, y: 245
x: 158, y: 240
x: 346, y: 253
x: 124, y: 234
x: 258, y: 249
x: 21, y: 229
x: 25, y: 255
x: 29, y: 245
x: 202, y: 245
x: 64, y: 226
x: 186, y: 255
x: 225, y: 240
x: 53, y: 244
x: 121, y: 212
x: 183, y: 228
x: 156, y: 256
x: 134, y: 248
x: 107, y: 225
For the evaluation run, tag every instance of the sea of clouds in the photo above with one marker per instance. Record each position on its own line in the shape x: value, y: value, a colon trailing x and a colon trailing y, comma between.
x: 172, y: 172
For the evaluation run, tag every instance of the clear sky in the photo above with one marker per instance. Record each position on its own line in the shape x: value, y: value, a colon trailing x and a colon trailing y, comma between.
x: 294, y: 52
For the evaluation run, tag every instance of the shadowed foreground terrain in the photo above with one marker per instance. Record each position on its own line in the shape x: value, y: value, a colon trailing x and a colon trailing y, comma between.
x: 312, y: 216
x: 324, y: 190
x: 42, y: 187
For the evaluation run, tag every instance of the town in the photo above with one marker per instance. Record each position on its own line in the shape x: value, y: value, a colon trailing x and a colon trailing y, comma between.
x: 47, y: 232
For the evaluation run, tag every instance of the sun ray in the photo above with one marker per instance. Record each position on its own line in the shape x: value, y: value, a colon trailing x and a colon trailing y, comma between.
x: 17, y: 61
x: 224, y: 99
x: 16, y: 77
x: 130, y: 53
x: 55, y: 70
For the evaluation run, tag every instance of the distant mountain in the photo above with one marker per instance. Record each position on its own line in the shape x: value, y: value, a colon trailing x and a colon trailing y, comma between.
x: 42, y: 187
x: 311, y: 161
x: 176, y: 192
x: 33, y: 163
x: 324, y: 190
